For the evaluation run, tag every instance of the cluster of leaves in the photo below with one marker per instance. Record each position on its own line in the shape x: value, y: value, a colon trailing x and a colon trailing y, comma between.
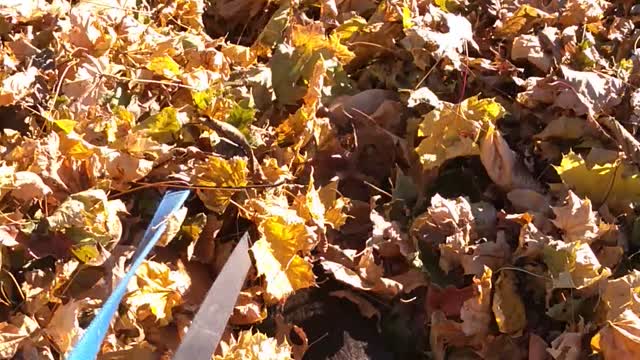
x: 472, y: 163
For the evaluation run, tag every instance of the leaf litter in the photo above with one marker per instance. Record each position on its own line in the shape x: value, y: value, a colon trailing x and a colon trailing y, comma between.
x: 472, y: 163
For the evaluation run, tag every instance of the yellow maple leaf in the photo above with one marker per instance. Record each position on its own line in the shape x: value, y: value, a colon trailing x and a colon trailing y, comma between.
x: 216, y: 171
x: 254, y: 346
x: 309, y: 205
x: 311, y: 40
x: 615, y: 184
x: 279, y: 253
x: 165, y: 66
x: 335, y: 207
x: 455, y: 130
x: 156, y: 291
x: 282, y: 277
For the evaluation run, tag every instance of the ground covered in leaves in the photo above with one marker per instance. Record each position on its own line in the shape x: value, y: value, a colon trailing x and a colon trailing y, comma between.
x: 464, y: 173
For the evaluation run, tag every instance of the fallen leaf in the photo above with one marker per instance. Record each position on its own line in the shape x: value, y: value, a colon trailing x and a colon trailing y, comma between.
x: 573, y: 265
x: 218, y: 172
x: 567, y: 346
x: 445, y: 45
x: 507, y: 305
x: 621, y: 294
x: 249, y: 309
x: 17, y: 86
x: 455, y: 130
x: 156, y: 291
x: 64, y: 328
x: 476, y: 311
x: 501, y: 163
x: 249, y: 345
x: 620, y: 338
x: 12, y: 336
x: 613, y: 183
x: 576, y: 220
x: 29, y: 186
x: 583, y: 11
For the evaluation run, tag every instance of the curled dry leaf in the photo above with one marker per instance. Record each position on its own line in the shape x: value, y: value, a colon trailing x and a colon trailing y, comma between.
x: 388, y: 238
x: 528, y: 47
x: 29, y: 186
x: 14, y: 334
x: 382, y: 286
x: 90, y: 221
x: 583, y: 92
x: 501, y: 163
x: 619, y: 338
x: 17, y: 86
x: 476, y: 311
x: 583, y: 11
x: 621, y: 294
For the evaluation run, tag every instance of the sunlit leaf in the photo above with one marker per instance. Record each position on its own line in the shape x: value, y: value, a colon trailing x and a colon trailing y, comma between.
x: 165, y: 66
x: 156, y: 291
x: 165, y: 125
x: 218, y: 172
x: 65, y: 125
x: 249, y: 345
x: 455, y: 130
x: 616, y: 184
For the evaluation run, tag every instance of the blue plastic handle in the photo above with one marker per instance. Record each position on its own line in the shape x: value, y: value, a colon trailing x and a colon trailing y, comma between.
x: 91, y: 341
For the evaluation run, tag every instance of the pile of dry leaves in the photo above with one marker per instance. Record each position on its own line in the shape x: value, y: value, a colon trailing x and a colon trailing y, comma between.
x: 473, y: 163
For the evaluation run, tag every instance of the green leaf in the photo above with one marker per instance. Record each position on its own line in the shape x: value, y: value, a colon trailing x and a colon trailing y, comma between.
x: 241, y: 118
x: 165, y: 125
x: 204, y: 99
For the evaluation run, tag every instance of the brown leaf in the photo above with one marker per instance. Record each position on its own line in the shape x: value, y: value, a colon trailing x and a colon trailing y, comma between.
x: 619, y: 339
x: 576, y: 220
x: 249, y: 308
x: 501, y: 163
x: 64, y: 328
x: 567, y: 346
x: 476, y: 311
